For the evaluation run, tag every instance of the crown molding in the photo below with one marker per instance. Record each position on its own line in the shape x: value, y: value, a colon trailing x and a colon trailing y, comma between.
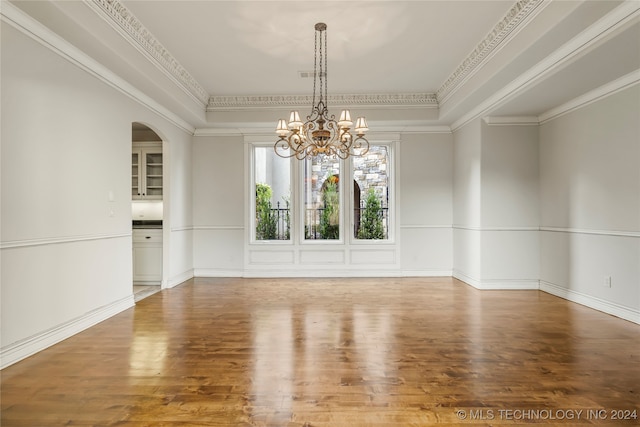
x: 24, y: 23
x: 511, y: 120
x: 592, y: 96
x: 131, y: 29
x: 484, y: 50
x: 407, y: 100
x: 606, y: 27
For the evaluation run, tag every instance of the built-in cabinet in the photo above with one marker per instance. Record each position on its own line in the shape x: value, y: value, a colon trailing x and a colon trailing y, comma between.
x: 147, y: 211
x: 146, y: 171
x: 147, y: 255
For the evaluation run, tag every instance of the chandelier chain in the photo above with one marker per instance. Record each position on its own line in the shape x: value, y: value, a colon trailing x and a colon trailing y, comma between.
x: 315, y: 70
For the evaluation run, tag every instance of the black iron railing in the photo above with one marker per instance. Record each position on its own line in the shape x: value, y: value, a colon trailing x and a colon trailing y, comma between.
x: 279, y: 226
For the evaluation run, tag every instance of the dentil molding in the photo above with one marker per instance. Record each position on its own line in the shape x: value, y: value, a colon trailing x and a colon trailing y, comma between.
x: 270, y: 101
x: 516, y: 16
x: 133, y: 30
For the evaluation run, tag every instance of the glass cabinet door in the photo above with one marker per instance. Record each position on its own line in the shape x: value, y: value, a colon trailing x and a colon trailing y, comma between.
x: 153, y: 179
x: 146, y: 174
x: 136, y: 180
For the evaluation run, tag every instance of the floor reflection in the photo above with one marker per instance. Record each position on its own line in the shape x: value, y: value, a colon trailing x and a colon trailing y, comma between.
x: 273, y: 376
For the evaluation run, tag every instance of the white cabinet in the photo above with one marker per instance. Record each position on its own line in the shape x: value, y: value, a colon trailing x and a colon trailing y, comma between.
x: 146, y: 171
x: 147, y: 255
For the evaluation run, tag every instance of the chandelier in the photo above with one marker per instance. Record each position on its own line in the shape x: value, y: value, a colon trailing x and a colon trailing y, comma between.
x: 321, y: 133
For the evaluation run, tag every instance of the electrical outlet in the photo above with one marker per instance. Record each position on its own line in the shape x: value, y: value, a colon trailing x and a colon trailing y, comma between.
x: 606, y: 282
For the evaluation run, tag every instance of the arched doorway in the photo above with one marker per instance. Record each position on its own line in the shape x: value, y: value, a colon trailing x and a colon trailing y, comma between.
x: 147, y: 209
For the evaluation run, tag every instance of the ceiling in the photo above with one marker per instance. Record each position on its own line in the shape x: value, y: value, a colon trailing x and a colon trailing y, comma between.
x: 234, y: 64
x: 258, y: 47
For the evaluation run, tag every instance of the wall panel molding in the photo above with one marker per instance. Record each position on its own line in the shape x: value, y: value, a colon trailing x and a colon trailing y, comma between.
x: 217, y: 227
x: 421, y: 226
x: 569, y: 230
x: 271, y: 257
x: 493, y: 228
x: 11, y: 244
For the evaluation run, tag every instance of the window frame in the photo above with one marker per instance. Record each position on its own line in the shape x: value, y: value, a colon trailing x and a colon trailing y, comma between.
x: 346, y: 204
x: 302, y: 211
x: 392, y: 147
x: 252, y: 199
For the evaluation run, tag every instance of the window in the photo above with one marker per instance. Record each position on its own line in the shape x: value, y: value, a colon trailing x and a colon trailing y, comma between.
x: 322, y: 198
x: 272, y: 195
x: 371, y: 194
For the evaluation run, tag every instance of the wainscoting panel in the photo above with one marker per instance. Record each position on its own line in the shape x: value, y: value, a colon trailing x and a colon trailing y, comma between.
x: 328, y: 256
x: 271, y: 257
x: 373, y: 256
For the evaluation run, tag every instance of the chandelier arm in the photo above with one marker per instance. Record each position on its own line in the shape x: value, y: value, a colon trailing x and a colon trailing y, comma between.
x: 282, y: 146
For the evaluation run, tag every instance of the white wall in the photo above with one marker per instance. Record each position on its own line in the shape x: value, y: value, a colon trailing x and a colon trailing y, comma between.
x: 509, y: 207
x: 421, y: 247
x: 218, y: 205
x: 426, y: 210
x: 66, y: 249
x: 496, y: 206
x: 590, y: 204
x: 467, y: 175
x: 178, y: 202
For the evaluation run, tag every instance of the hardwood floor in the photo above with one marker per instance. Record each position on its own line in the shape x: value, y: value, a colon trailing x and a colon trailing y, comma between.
x: 335, y: 352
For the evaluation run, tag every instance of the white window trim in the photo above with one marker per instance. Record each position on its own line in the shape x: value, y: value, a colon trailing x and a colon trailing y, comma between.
x: 297, y: 209
x: 251, y: 196
x: 391, y: 188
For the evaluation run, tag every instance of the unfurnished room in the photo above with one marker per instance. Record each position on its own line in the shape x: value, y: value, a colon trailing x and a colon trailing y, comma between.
x: 320, y: 213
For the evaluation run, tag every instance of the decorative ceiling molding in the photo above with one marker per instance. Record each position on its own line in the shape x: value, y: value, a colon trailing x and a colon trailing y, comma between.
x: 592, y: 96
x: 515, y: 17
x: 24, y: 23
x: 624, y: 15
x: 428, y: 100
x: 511, y: 120
x: 137, y: 34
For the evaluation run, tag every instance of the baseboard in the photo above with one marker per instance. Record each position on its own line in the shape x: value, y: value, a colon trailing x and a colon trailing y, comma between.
x: 498, y: 284
x: 307, y: 272
x: 180, y: 278
x: 510, y: 284
x: 608, y: 307
x: 457, y: 274
x: 426, y: 273
x: 212, y: 272
x: 15, y: 352
x: 328, y: 273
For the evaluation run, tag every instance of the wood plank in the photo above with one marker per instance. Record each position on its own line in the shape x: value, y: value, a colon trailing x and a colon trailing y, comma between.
x: 333, y: 352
